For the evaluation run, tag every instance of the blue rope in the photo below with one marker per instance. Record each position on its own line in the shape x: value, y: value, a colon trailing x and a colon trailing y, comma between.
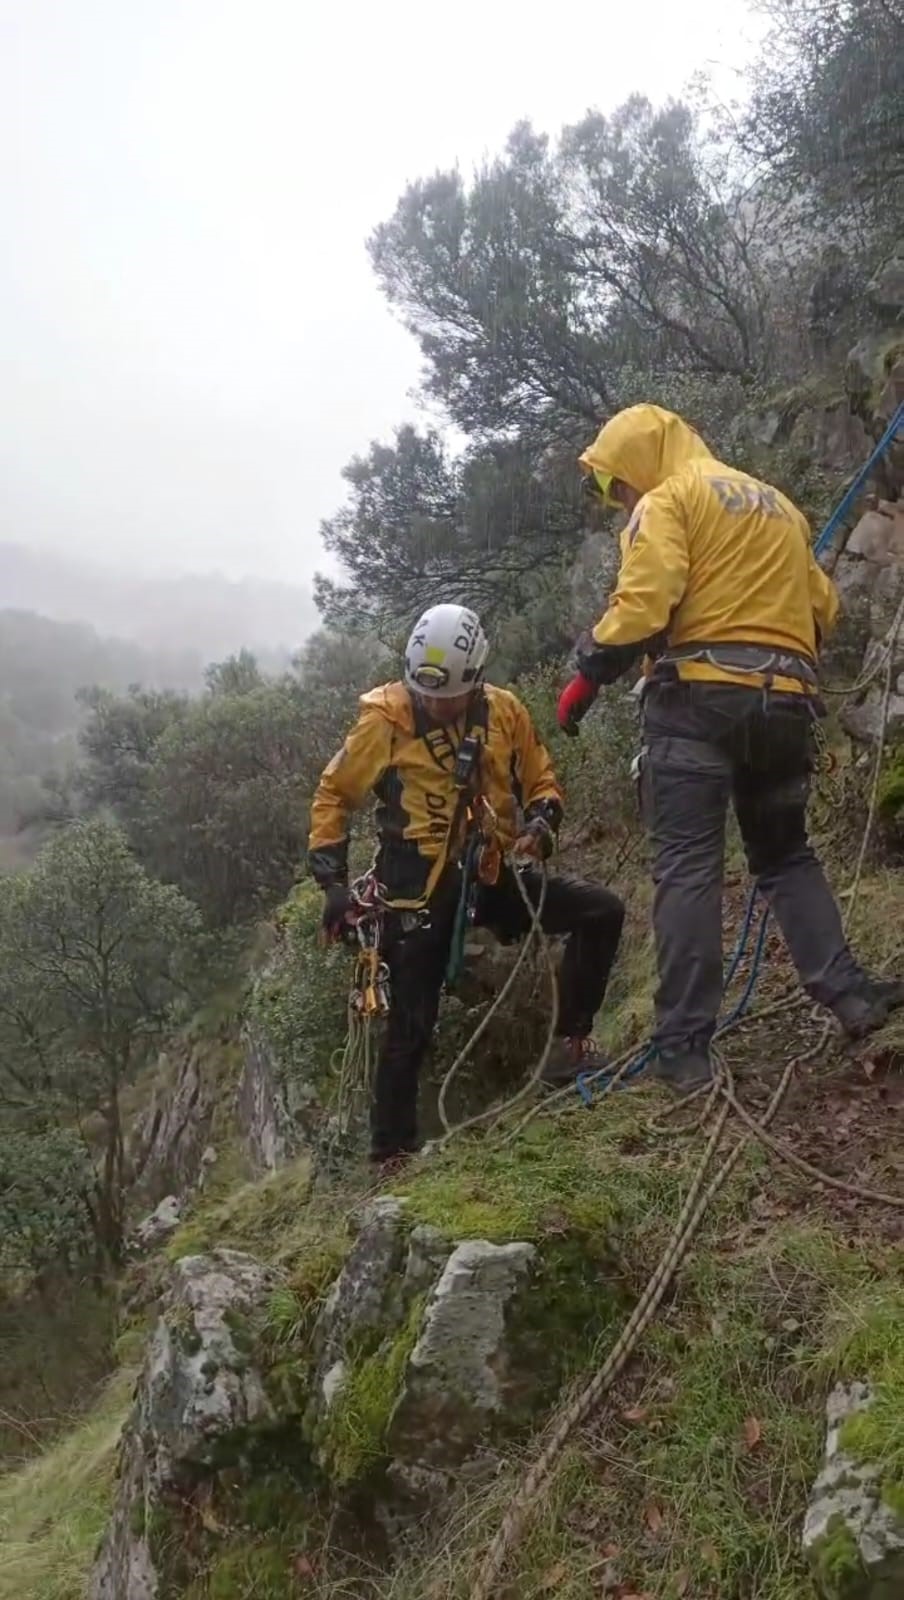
x: 584, y: 1083
x: 847, y: 500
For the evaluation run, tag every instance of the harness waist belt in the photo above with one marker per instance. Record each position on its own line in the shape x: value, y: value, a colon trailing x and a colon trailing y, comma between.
x: 760, y: 660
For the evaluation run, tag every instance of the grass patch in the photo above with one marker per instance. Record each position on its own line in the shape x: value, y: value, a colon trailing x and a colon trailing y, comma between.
x: 872, y: 1346
x: 53, y: 1511
x: 354, y: 1436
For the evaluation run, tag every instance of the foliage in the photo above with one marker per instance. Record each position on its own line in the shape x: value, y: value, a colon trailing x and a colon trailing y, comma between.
x: 46, y: 1183
x: 213, y: 793
x: 93, y: 957
x: 828, y: 114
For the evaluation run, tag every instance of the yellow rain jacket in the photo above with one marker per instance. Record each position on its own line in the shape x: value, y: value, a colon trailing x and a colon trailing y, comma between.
x: 408, y: 762
x: 709, y: 555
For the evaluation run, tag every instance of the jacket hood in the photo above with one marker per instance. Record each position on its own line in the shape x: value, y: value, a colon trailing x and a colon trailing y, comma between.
x: 643, y: 446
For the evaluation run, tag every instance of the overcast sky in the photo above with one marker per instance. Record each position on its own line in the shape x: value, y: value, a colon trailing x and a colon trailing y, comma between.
x: 191, y: 341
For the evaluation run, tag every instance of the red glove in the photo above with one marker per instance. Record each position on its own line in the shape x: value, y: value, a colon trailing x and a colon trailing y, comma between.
x: 574, y: 702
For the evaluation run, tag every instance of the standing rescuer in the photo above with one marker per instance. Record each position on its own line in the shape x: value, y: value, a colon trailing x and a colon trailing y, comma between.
x: 434, y: 749
x: 719, y: 588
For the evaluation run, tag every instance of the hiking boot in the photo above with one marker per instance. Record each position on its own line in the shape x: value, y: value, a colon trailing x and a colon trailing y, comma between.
x: 863, y: 1010
x: 684, y: 1070
x: 568, y: 1059
x: 387, y: 1163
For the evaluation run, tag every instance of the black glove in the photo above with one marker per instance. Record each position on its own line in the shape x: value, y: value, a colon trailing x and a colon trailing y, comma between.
x: 337, y: 903
x: 605, y: 663
x: 536, y: 840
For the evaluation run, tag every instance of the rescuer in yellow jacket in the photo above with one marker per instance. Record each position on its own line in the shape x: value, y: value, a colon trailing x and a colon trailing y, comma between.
x: 436, y: 751
x: 719, y: 591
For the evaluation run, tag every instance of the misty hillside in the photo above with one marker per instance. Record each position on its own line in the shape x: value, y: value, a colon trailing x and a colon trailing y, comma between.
x: 207, y: 613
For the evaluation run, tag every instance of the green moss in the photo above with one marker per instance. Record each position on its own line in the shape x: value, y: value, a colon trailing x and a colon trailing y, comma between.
x: 137, y: 1519
x: 537, y: 1185
x: 354, y: 1435
x: 836, y: 1562
x: 262, y: 1570
x: 893, y: 1495
x: 259, y: 1217
x: 873, y: 1348
x: 890, y: 797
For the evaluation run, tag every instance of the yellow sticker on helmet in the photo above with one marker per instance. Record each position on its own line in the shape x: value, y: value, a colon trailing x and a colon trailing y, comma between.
x: 433, y: 656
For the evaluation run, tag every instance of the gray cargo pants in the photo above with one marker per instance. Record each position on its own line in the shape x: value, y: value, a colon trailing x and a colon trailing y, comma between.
x: 707, y: 744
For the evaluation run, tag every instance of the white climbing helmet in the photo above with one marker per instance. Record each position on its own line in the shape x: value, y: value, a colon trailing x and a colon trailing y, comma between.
x: 446, y: 653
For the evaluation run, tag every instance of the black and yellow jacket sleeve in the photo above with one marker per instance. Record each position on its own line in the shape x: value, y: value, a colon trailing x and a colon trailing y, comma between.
x: 344, y: 786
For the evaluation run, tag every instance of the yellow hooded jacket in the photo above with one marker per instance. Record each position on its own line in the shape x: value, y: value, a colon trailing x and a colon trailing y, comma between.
x: 710, y: 555
x: 408, y: 762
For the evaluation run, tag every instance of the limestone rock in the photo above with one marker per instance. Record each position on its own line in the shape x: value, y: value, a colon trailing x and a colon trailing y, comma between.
x: 886, y: 287
x: 462, y: 1374
x: 168, y: 1140
x: 838, y: 439
x: 357, y: 1302
x: 197, y: 1396
x: 271, y: 1138
x: 163, y: 1221
x: 278, y: 1114
x: 879, y: 535
x: 852, y: 1539
x: 880, y: 594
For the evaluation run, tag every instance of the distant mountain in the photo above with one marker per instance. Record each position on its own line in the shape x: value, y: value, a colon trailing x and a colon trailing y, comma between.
x: 207, y: 614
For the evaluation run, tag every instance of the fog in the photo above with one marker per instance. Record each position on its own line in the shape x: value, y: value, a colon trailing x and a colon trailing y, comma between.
x: 193, y: 343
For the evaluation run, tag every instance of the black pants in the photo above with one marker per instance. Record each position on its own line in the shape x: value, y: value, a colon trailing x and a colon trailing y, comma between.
x: 588, y: 914
x: 707, y: 745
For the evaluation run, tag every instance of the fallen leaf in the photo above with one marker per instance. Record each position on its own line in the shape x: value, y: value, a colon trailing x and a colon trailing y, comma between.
x: 303, y: 1567
x: 610, y: 1551
x: 682, y: 1582
x: 635, y: 1414
x: 709, y: 1553
x: 753, y: 1432
x: 554, y: 1576
x: 653, y: 1517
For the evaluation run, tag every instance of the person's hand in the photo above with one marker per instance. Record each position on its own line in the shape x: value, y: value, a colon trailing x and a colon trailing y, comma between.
x: 574, y: 702
x: 535, y: 842
x: 338, y: 906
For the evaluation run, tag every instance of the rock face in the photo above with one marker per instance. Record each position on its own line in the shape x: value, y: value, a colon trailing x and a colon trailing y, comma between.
x: 166, y: 1148
x: 870, y: 579
x: 163, y: 1221
x: 886, y: 288
x: 271, y: 1137
x: 463, y: 1372
x: 853, y: 1540
x: 198, y: 1389
x: 357, y: 1303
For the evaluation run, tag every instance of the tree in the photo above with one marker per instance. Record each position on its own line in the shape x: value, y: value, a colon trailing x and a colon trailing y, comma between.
x: 422, y: 526
x: 47, y: 1185
x: 119, y: 741
x: 237, y: 675
x: 634, y: 242
x: 227, y: 798
x: 827, y: 114
x: 93, y: 956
